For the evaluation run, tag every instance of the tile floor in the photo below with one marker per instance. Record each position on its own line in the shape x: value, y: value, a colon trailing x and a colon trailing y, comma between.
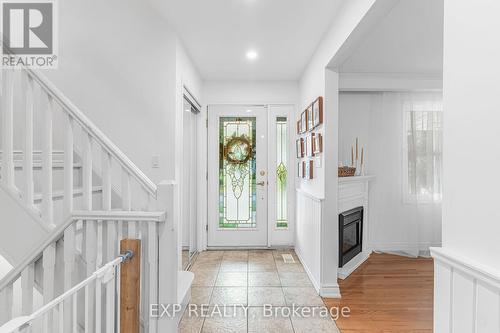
x: 252, y: 278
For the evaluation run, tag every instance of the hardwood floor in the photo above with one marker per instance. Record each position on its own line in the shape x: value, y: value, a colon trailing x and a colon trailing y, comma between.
x: 388, y: 294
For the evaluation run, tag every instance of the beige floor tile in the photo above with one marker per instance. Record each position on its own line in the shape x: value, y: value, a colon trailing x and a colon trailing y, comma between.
x: 260, y: 254
x: 234, y: 266
x: 205, y: 265
x: 261, y: 266
x: 302, y: 296
x: 229, y: 296
x: 204, y: 278
x: 231, y: 279
x: 263, y: 279
x: 190, y: 324
x: 292, y: 279
x: 295, y: 268
x: 201, y: 295
x: 260, y: 321
x: 259, y: 296
x: 235, y: 255
x: 316, y: 324
x: 210, y: 255
x: 236, y: 323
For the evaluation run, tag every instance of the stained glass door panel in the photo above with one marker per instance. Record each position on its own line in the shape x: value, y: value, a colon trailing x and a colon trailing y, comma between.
x: 237, y: 170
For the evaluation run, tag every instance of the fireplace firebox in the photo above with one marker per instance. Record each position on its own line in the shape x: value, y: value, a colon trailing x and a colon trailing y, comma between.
x: 350, y: 234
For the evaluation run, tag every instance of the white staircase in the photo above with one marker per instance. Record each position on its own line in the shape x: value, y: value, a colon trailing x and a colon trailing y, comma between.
x: 68, y: 195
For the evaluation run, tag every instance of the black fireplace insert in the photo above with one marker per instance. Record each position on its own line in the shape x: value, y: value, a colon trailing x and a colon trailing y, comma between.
x: 350, y: 234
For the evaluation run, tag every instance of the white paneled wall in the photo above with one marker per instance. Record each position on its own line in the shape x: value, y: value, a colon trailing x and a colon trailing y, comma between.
x: 307, y: 241
x: 466, y: 296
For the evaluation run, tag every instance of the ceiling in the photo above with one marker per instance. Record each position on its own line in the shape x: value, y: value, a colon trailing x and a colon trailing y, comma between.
x: 218, y: 33
x: 408, y: 40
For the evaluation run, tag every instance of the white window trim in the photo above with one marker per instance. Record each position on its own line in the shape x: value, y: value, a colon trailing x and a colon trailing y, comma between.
x: 407, y: 197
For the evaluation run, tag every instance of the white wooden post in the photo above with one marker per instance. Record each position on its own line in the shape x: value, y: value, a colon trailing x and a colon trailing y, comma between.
x: 6, y: 297
x: 168, y: 254
x: 91, y: 258
x: 68, y: 166
x: 47, y: 205
x: 49, y: 263
x: 106, y: 180
x: 27, y: 284
x: 28, y: 87
x: 69, y: 268
x: 87, y: 171
x: 8, y: 129
x: 152, y: 230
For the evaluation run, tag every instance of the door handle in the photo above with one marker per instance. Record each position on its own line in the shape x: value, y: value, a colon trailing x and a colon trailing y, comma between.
x: 261, y: 183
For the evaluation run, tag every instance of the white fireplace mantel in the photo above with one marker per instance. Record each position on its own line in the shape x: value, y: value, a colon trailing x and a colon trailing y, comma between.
x: 353, y: 192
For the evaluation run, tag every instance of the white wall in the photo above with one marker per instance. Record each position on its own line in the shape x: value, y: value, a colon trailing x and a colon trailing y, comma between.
x: 117, y: 63
x: 469, y: 302
x: 248, y: 92
x: 376, y: 118
x: 317, y: 81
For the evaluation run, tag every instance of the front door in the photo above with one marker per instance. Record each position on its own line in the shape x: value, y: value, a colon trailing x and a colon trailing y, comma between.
x: 237, y: 176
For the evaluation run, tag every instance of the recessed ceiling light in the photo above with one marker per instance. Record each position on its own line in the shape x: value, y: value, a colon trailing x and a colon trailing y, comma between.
x: 252, y: 55
x: 248, y: 111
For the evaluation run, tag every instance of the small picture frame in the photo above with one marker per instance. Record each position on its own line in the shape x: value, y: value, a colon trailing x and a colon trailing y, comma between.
x: 299, y: 127
x: 317, y: 112
x: 309, y: 117
x: 303, y: 122
x: 299, y: 145
x: 309, y: 170
x: 317, y: 144
x: 309, y: 142
x: 300, y: 170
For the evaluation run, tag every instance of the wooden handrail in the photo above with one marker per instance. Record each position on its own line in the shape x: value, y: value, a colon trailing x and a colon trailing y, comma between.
x: 58, y: 232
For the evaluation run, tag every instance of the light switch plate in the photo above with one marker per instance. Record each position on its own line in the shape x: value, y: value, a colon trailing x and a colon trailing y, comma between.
x: 155, y: 161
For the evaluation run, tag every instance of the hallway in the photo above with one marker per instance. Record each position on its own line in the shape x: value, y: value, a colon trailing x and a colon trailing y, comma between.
x: 233, y: 280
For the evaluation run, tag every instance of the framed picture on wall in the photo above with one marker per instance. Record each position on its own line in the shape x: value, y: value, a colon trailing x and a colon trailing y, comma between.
x: 299, y: 127
x: 300, y: 170
x: 299, y: 144
x: 303, y: 122
x: 317, y: 112
x: 317, y: 144
x: 309, y: 170
x: 309, y: 142
x: 309, y: 117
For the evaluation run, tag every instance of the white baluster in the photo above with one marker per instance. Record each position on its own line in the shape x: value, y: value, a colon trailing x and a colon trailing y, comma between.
x: 49, y: 262
x: 74, y: 327
x: 68, y: 165
x: 106, y: 180
x: 126, y: 201
x: 87, y: 171
x: 110, y: 305
x: 28, y: 139
x: 98, y: 308
x: 88, y: 306
x: 27, y: 284
x: 69, y: 268
x: 90, y: 257
x: 47, y: 204
x: 8, y: 129
x: 6, y: 297
x: 153, y: 271
x: 61, y: 318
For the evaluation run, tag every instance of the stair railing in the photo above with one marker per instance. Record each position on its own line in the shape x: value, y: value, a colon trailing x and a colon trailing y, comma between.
x: 56, y: 114
x: 98, y: 243
x: 51, y: 317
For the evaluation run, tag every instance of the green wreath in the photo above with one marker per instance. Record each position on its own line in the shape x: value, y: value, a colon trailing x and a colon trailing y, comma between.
x: 238, y: 150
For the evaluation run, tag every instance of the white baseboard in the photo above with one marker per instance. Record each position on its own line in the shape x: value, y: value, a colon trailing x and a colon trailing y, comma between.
x: 308, y: 272
x: 402, y: 246
x: 352, y: 265
x: 331, y: 291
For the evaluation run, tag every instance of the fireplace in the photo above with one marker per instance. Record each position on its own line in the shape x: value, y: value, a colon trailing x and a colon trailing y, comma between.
x: 350, y: 234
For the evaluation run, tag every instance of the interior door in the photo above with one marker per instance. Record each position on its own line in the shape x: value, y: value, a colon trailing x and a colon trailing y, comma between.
x: 237, y: 176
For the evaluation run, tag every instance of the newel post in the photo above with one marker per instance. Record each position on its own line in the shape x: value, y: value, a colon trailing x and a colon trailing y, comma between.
x: 168, y: 256
x: 130, y: 287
